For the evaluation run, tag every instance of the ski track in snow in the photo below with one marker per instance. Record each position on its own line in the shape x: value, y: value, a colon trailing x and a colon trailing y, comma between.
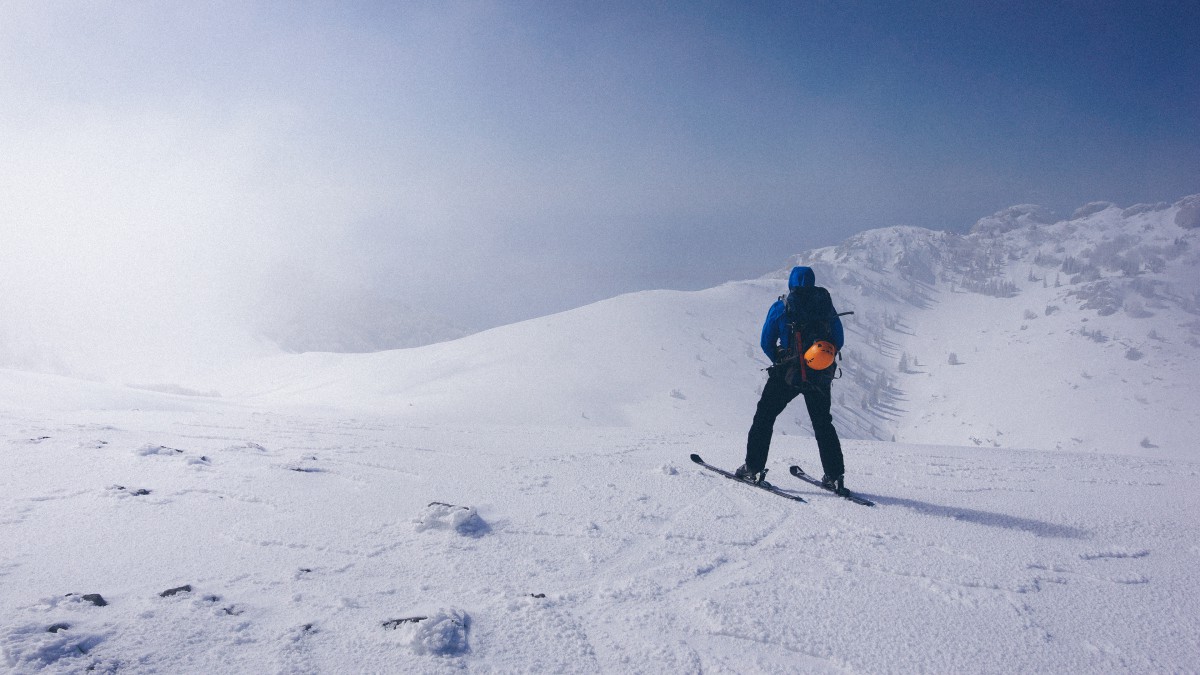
x: 595, y: 550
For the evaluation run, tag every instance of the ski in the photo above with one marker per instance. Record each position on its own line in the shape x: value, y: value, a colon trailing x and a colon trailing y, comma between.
x: 799, y: 473
x: 762, y: 486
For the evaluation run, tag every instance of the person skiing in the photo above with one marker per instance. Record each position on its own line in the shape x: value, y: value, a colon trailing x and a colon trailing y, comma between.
x: 802, y: 324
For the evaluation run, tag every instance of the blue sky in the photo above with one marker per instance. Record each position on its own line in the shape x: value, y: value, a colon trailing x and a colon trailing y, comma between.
x: 425, y: 151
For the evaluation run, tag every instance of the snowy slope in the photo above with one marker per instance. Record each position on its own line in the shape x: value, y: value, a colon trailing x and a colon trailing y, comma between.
x: 681, y: 359
x: 305, y: 539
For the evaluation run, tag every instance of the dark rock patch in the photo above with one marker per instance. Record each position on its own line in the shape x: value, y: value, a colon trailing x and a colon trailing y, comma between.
x: 96, y: 599
x: 139, y: 492
x: 393, y: 624
x: 186, y: 588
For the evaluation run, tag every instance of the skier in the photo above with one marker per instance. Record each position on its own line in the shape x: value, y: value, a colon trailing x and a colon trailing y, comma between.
x: 806, y: 315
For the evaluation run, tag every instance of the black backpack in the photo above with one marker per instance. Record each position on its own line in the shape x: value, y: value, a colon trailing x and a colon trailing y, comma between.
x: 809, y: 317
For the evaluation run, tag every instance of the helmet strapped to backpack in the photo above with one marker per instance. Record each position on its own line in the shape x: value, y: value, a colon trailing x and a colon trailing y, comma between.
x: 820, y: 354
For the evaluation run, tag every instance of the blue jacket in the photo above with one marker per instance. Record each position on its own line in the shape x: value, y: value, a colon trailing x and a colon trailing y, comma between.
x: 775, y: 334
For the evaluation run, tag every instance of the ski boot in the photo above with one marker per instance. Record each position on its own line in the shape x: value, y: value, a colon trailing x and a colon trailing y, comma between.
x: 835, y: 483
x: 750, y: 475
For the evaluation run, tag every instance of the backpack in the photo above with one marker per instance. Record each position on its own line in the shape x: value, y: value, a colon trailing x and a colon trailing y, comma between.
x: 808, y: 315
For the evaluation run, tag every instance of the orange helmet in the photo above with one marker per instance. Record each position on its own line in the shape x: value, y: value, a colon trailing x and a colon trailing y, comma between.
x: 820, y: 355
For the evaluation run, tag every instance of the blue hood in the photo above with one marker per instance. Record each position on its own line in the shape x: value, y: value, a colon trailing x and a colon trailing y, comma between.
x: 775, y: 333
x: 801, y: 276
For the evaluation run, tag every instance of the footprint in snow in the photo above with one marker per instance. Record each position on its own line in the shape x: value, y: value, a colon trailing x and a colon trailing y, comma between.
x: 62, y: 642
x: 248, y: 446
x: 1116, y: 553
x: 122, y: 491
x: 300, y: 467
x: 149, y: 450
x: 302, y: 631
x: 304, y: 465
x: 59, y: 647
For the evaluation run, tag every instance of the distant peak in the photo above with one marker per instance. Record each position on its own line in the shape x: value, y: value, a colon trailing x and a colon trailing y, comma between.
x: 1012, y: 218
x: 1092, y: 208
x: 1188, y: 216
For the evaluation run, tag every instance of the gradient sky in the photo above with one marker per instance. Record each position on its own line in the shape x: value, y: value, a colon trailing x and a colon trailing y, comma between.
x: 492, y: 161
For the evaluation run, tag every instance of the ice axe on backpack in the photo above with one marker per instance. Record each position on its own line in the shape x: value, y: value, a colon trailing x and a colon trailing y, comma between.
x: 820, y: 355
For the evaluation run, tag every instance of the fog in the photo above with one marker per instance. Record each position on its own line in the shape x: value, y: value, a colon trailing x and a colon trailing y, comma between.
x: 189, y: 184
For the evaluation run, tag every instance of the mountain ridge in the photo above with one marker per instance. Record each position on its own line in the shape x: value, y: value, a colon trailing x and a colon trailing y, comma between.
x: 1076, y: 334
x: 1116, y: 287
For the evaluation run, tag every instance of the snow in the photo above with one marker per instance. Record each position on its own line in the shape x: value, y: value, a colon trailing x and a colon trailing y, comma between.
x: 974, y: 559
x: 521, y: 500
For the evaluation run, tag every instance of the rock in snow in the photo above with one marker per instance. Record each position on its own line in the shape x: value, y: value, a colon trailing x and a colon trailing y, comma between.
x: 458, y: 519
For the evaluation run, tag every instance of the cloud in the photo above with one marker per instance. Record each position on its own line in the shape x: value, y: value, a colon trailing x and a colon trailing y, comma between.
x: 128, y: 232
x: 228, y: 166
x: 182, y: 179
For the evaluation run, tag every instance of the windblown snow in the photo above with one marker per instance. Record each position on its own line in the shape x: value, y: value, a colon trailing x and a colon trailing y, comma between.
x: 1019, y: 401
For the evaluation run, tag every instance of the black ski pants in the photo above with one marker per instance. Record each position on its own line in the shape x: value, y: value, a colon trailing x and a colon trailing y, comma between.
x: 776, y: 395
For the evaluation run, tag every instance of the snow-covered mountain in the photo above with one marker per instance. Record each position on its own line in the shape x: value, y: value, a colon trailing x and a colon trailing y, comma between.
x: 1026, y: 332
x: 1078, y: 334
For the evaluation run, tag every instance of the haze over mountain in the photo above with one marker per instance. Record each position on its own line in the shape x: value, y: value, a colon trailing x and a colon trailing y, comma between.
x: 1075, y: 334
x: 1027, y: 331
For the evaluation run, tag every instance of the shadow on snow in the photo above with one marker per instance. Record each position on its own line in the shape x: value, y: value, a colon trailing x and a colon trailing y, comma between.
x: 1040, y: 528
